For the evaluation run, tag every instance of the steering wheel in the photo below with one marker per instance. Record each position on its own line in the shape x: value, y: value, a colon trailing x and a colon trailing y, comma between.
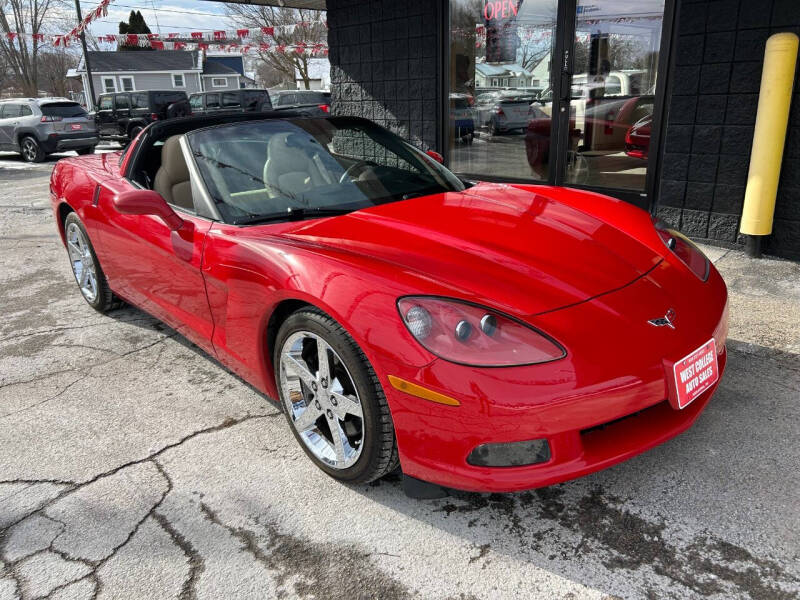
x: 355, y: 167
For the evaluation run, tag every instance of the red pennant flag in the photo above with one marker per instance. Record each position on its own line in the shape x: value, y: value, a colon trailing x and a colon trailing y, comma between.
x: 202, y: 46
x: 268, y: 30
x: 242, y: 33
x: 281, y: 48
x: 39, y: 37
x: 173, y: 35
x: 157, y: 45
x: 132, y: 39
x: 152, y: 36
x: 11, y: 36
x: 180, y: 45
x: 219, y: 35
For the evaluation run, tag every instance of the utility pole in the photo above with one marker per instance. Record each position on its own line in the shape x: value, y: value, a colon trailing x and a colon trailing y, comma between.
x: 90, y: 101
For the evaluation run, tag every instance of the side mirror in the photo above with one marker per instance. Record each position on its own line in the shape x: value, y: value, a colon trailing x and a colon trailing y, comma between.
x: 147, y: 202
x: 435, y: 156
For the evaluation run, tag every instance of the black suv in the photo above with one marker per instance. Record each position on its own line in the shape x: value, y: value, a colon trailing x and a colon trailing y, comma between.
x: 231, y: 101
x: 123, y: 115
x: 311, y: 102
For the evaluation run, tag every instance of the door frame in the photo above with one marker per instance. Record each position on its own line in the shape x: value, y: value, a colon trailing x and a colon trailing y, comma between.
x: 563, y: 60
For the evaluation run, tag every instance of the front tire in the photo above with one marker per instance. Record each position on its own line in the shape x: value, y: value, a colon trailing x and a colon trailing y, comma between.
x: 88, y: 275
x: 332, y: 399
x: 85, y: 151
x: 31, y: 150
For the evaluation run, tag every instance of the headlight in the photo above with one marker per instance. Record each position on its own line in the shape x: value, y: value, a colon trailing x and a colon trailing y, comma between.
x: 684, y: 249
x: 473, y: 335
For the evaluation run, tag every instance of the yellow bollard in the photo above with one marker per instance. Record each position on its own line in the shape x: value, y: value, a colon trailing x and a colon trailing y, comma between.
x: 772, y: 118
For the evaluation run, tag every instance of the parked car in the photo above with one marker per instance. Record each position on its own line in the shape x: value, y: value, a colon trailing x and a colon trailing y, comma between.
x: 637, y: 140
x: 122, y: 115
x: 480, y: 336
x: 607, y: 121
x: 36, y: 127
x: 233, y: 101
x: 462, y: 121
x: 308, y: 102
x: 509, y: 113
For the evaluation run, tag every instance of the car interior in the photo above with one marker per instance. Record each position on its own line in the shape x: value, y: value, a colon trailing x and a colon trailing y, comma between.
x: 272, y: 167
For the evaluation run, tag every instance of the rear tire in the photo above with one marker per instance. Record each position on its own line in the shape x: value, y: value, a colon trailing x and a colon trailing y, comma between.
x: 31, y: 149
x: 368, y: 448
x: 88, y: 274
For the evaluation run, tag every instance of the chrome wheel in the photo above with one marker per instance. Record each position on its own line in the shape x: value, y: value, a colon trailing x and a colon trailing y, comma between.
x: 83, y: 267
x: 321, y: 399
x: 29, y: 150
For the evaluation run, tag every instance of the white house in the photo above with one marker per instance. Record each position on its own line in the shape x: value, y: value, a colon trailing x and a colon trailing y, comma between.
x: 502, y: 76
x: 319, y: 74
x: 142, y: 70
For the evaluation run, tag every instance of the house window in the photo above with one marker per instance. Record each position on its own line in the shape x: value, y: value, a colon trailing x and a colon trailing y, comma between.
x: 109, y: 85
x: 126, y: 84
x: 219, y: 82
x: 177, y: 80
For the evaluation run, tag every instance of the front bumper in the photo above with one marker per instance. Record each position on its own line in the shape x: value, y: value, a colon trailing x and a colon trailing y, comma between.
x: 58, y: 142
x: 607, y: 401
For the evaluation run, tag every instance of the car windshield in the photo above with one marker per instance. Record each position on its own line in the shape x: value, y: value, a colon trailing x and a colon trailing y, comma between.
x: 63, y: 109
x: 276, y: 169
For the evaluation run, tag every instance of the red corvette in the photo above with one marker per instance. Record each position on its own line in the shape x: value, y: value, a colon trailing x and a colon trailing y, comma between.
x: 480, y: 336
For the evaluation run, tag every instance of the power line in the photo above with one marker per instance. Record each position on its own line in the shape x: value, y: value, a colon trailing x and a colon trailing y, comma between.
x: 171, y: 10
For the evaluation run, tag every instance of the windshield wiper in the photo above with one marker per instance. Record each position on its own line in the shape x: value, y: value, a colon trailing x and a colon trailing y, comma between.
x: 293, y: 214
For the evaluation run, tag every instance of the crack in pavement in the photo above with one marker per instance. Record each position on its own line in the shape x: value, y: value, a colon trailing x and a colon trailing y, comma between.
x: 85, y: 374
x: 195, y: 560
x: 314, y: 566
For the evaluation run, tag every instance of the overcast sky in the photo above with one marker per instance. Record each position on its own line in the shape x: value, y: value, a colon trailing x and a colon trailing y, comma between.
x: 168, y: 16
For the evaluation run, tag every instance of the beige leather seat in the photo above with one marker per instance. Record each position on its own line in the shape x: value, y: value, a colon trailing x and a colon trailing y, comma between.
x: 289, y: 170
x: 172, y: 177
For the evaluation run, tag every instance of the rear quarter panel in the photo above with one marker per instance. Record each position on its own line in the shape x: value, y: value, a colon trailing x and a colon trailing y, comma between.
x: 73, y: 184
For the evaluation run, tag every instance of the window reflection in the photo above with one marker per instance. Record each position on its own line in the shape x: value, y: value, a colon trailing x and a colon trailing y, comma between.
x: 501, y: 53
x: 501, y: 81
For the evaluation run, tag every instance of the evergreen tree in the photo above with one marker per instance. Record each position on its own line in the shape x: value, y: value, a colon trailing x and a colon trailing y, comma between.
x: 135, y: 24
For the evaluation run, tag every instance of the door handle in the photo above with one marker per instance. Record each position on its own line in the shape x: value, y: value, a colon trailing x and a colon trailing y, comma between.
x: 566, y: 86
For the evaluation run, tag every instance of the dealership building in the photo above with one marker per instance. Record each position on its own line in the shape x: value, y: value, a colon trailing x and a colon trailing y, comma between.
x: 651, y: 101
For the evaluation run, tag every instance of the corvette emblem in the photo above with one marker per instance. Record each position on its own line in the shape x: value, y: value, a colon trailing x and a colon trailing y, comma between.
x: 666, y: 321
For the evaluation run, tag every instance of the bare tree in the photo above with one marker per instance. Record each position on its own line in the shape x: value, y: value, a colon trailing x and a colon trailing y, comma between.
x: 245, y: 15
x: 53, y: 66
x: 26, y: 18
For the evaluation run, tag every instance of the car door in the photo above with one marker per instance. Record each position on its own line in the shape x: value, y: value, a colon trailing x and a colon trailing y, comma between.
x: 231, y: 102
x: 106, y: 125
x: 196, y: 102
x: 212, y: 102
x: 122, y: 113
x: 156, y: 268
x: 9, y: 115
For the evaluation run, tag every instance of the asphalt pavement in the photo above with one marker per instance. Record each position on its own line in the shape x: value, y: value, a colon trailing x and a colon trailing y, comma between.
x: 132, y: 465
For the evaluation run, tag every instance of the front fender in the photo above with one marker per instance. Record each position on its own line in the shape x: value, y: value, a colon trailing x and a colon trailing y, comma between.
x: 248, y: 277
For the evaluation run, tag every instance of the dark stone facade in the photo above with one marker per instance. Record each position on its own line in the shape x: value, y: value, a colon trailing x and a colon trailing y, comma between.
x: 710, y: 118
x: 384, y: 59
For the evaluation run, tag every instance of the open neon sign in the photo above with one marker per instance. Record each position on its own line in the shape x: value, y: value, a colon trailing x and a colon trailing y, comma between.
x: 500, y: 9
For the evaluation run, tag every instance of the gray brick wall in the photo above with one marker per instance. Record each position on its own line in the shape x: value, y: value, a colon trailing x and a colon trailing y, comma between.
x: 383, y: 56
x: 711, y: 114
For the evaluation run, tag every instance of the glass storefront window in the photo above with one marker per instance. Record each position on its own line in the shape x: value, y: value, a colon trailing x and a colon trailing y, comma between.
x: 616, y: 52
x: 500, y: 57
x: 502, y: 74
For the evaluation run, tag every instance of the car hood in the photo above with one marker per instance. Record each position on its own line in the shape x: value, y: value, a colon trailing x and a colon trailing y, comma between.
x: 517, y: 250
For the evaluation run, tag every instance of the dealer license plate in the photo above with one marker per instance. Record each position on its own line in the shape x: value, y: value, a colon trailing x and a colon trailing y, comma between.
x: 76, y: 126
x: 696, y: 373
